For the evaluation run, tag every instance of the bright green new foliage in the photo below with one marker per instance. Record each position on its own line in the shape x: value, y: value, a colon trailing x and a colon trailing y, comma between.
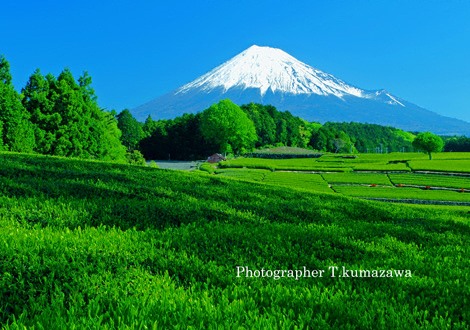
x: 431, y: 180
x: 442, y: 165
x: 93, y: 245
x: 352, y: 176
x: 226, y: 125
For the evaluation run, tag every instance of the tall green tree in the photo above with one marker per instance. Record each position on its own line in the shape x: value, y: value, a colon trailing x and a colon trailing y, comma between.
x: 16, y: 130
x: 107, y: 135
x: 5, y: 75
x: 39, y: 96
x: 429, y: 143
x: 228, y: 127
x: 131, y: 129
x: 68, y: 120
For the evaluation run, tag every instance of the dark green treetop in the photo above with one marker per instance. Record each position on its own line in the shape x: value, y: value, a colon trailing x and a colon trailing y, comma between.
x: 15, y: 127
x: 132, y: 132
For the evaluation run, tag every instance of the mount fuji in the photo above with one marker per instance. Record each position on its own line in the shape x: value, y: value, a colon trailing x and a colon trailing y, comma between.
x: 271, y: 76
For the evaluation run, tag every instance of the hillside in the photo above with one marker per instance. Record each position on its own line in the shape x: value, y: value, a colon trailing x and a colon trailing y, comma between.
x: 98, y: 245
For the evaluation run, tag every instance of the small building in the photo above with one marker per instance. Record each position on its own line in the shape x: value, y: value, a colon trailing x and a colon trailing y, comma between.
x: 215, y: 158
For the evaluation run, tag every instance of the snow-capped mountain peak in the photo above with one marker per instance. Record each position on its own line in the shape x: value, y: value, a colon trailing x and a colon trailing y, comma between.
x: 267, y: 68
x: 268, y: 75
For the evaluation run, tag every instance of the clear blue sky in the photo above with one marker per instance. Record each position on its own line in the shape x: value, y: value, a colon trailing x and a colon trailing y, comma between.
x: 137, y: 50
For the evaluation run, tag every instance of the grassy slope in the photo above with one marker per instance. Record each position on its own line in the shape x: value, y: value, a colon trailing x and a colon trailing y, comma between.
x: 98, y: 245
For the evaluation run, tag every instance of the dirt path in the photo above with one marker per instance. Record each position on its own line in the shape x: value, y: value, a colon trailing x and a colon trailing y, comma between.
x: 443, y: 173
x: 417, y: 201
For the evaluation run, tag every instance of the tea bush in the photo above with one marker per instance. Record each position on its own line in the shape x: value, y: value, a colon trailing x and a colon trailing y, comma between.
x: 103, y: 246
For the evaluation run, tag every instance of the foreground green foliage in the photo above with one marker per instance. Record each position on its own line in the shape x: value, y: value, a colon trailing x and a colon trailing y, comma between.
x: 96, y: 245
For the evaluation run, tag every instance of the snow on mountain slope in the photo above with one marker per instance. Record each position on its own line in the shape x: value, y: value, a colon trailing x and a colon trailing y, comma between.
x: 271, y: 76
x: 267, y: 68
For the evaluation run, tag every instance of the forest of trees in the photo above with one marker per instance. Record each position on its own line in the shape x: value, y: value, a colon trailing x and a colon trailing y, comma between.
x: 456, y: 143
x: 187, y: 137
x: 223, y: 127
x: 363, y: 138
x: 60, y: 116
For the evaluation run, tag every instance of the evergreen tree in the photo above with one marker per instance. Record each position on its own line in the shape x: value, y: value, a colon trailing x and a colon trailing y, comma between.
x: 149, y: 126
x: 68, y: 120
x: 132, y: 132
x: 264, y: 123
x: 5, y: 75
x: 39, y: 97
x: 16, y: 130
x: 1, y: 136
x: 276, y: 127
x: 155, y: 144
x: 323, y: 139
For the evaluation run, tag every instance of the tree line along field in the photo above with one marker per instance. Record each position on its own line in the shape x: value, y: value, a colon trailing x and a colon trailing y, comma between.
x: 88, y: 244
x: 395, y: 176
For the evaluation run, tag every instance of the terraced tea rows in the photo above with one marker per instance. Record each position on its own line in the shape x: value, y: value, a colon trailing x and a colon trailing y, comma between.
x: 392, y: 170
x: 355, y: 178
x: 438, y: 165
x: 402, y: 193
x: 431, y: 180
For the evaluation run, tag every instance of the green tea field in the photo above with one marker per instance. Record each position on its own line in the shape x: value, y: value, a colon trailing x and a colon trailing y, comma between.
x: 95, y: 245
x: 409, y: 177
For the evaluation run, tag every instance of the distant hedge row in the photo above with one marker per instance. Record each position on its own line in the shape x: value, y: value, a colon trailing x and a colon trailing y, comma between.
x: 281, y: 156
